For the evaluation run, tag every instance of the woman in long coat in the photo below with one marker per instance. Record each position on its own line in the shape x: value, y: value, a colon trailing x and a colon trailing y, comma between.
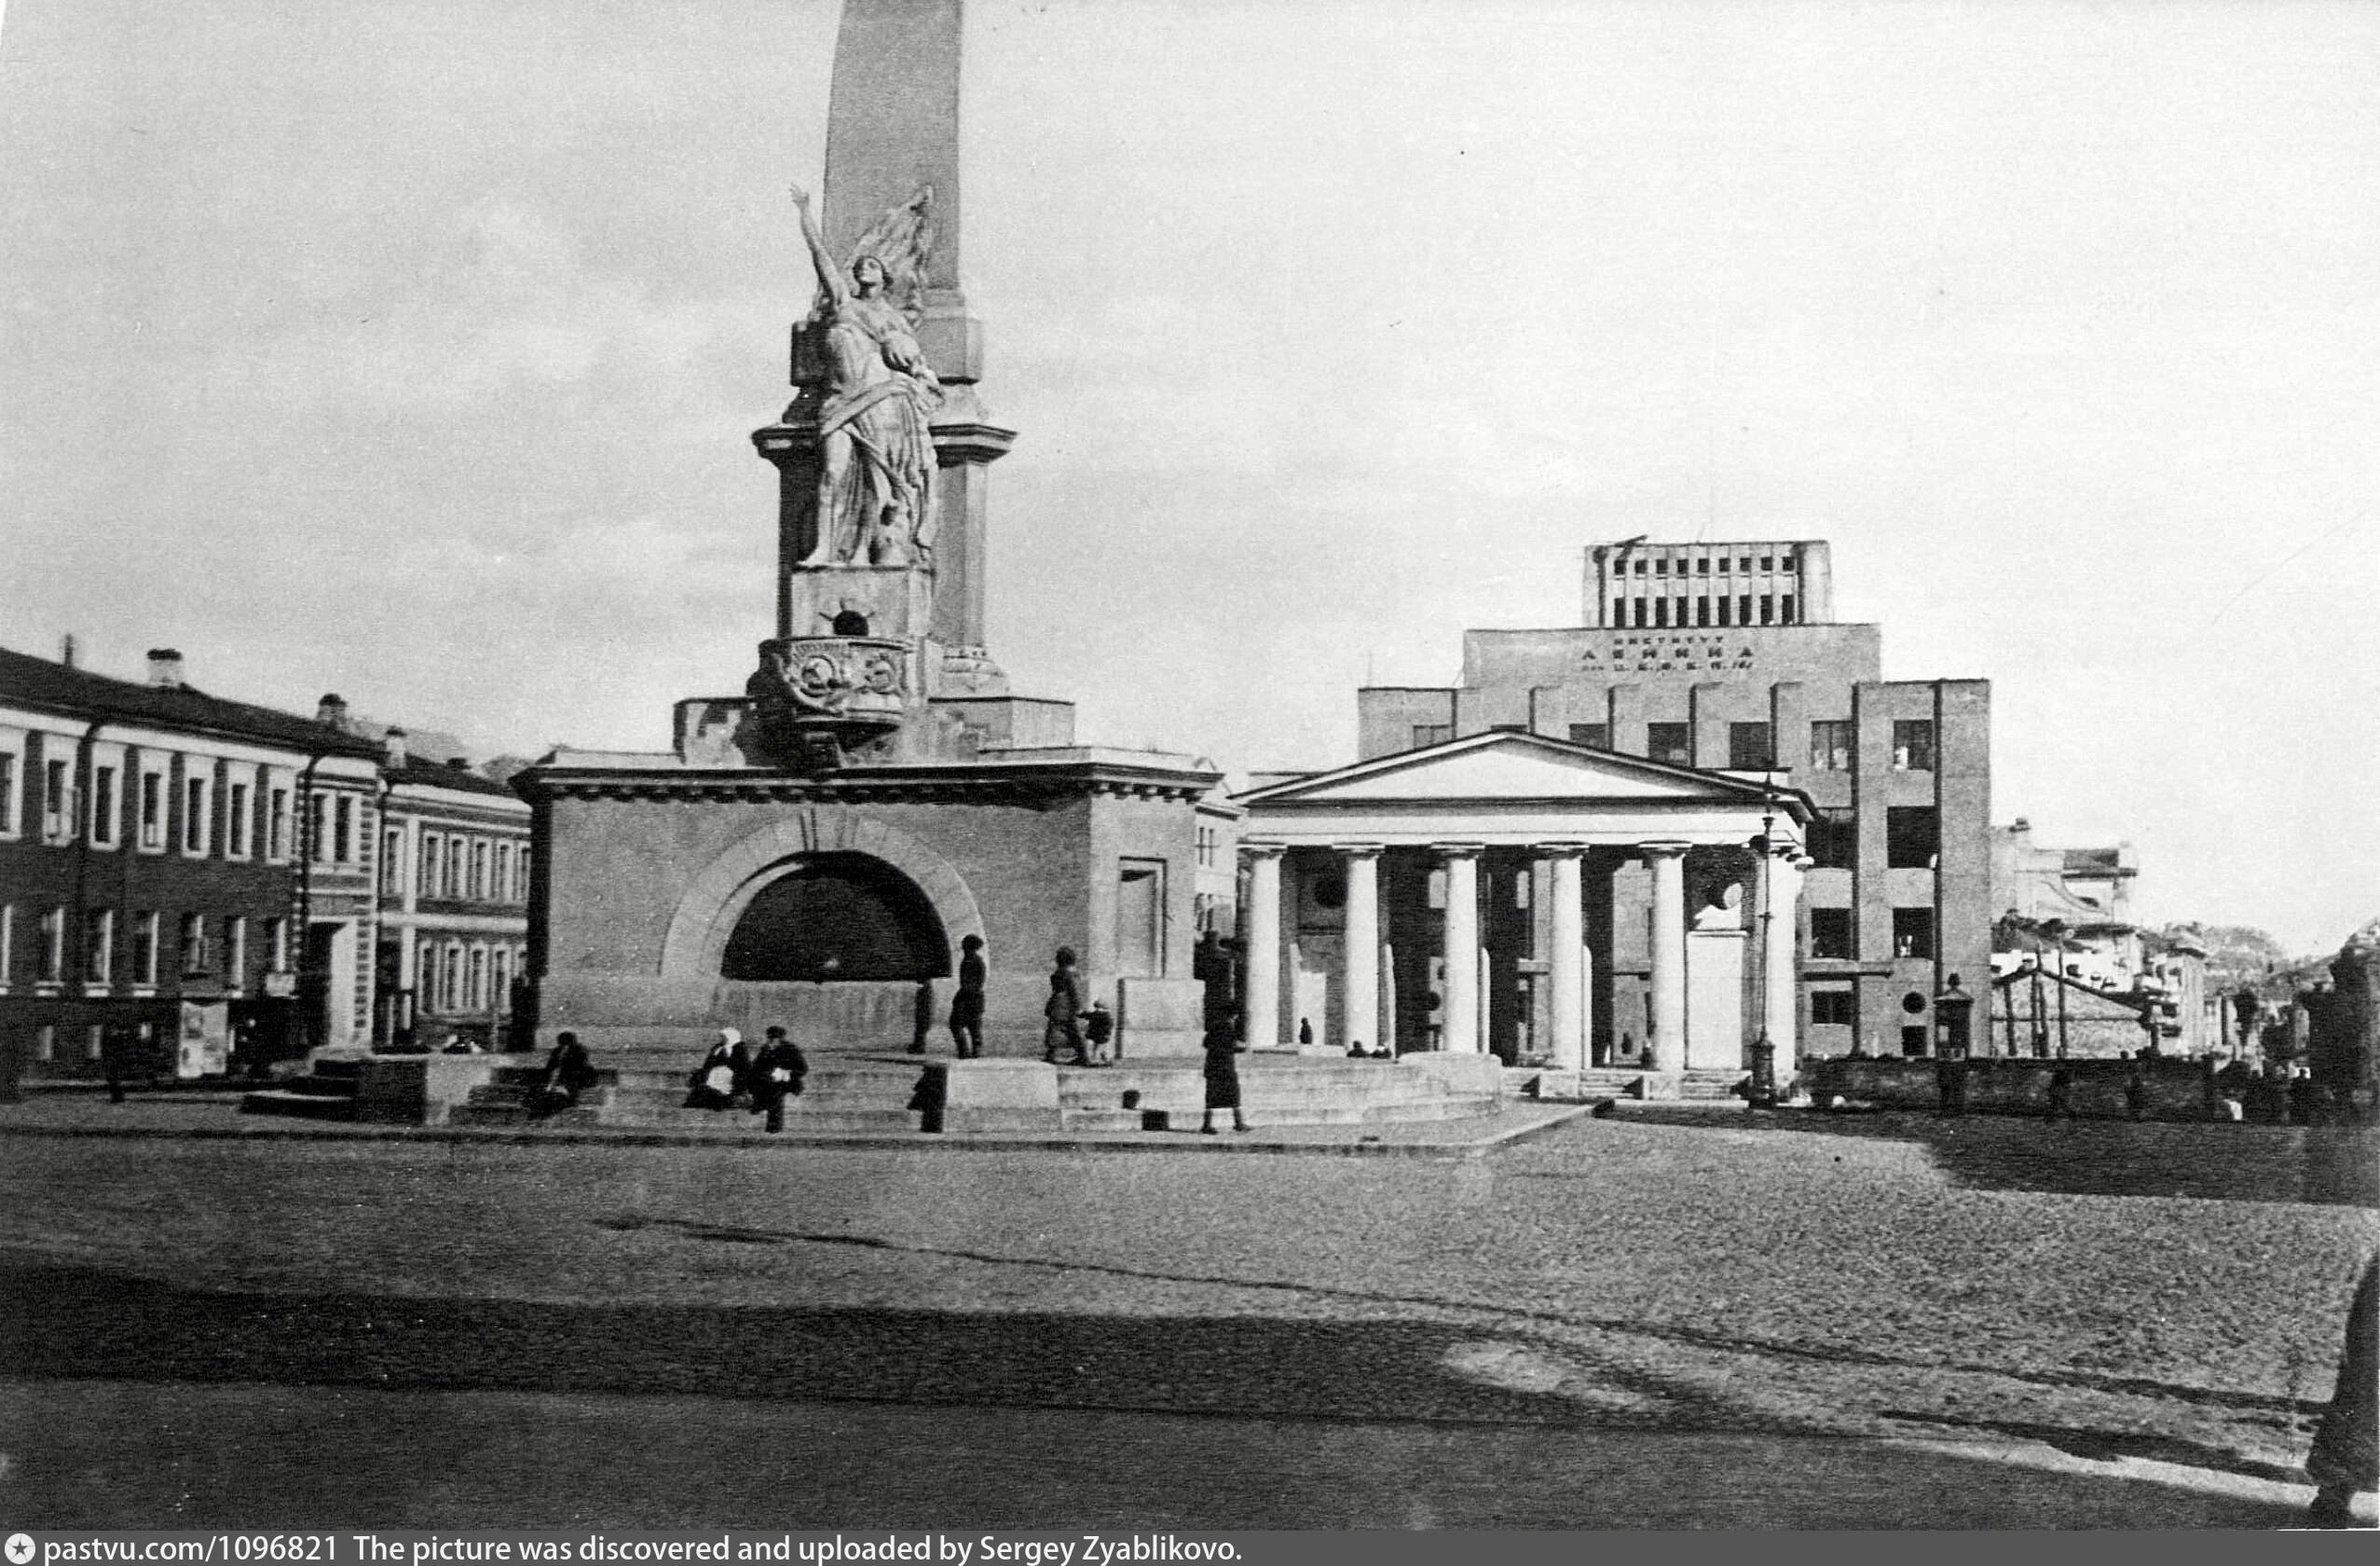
x: 722, y: 1073
x: 1223, y: 1079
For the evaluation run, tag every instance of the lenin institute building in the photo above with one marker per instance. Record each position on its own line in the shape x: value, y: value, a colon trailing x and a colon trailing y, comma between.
x: 1727, y: 657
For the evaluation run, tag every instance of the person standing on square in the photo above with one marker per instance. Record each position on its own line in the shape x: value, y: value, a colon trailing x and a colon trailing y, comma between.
x: 1061, y: 1029
x: 966, y: 1005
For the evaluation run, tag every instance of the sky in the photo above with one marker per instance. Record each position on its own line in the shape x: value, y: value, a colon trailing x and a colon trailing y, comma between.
x: 411, y: 349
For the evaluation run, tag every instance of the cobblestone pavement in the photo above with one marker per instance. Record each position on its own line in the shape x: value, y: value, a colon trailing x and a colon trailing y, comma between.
x: 1611, y: 1279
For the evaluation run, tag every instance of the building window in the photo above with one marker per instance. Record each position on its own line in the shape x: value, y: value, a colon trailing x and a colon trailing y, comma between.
x: 450, y: 882
x: 103, y: 805
x: 235, y: 949
x: 1833, y: 1007
x: 44, y: 1042
x: 277, y: 943
x: 343, y: 833
x: 318, y: 831
x: 1768, y: 562
x: 451, y: 992
x: 1749, y: 748
x: 1912, y: 836
x: 1660, y: 568
x: 1830, y: 741
x: 499, y: 981
x: 425, y: 978
x: 1661, y: 613
x: 194, y: 945
x: 501, y: 891
x: 1830, y: 935
x: 426, y: 878
x: 99, y: 948
x: 1744, y: 606
x: 1913, y: 932
x: 1701, y: 611
x: 7, y: 941
x: 393, y: 862
x: 1640, y: 604
x: 476, y: 986
x: 54, y: 814
x: 234, y: 821
x: 1834, y: 839
x: 53, y: 947
x: 1726, y: 606
x: 144, y: 940
x: 1768, y: 610
x: 276, y: 824
x: 1595, y: 737
x: 479, y: 871
x: 520, y: 869
x: 193, y: 815
x: 1784, y: 609
x: 95, y: 1041
x: 8, y: 793
x: 1913, y: 745
x: 1673, y: 743
x: 152, y: 809
x: 1426, y: 734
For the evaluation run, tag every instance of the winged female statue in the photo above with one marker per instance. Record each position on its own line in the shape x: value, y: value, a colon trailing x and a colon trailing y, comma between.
x: 876, y: 473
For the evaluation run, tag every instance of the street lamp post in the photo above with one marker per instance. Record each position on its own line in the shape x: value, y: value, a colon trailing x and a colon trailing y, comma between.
x: 1764, y: 1048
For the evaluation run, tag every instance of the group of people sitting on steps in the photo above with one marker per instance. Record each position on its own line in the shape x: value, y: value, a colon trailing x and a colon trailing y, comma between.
x: 731, y: 1076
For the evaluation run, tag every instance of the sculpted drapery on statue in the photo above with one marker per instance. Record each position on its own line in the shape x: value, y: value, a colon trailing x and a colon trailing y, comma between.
x: 876, y: 453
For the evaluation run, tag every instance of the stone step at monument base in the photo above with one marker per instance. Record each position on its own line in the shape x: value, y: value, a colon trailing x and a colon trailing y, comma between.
x: 1274, y: 1090
x: 838, y: 1094
x: 296, y: 1102
x: 1700, y: 1085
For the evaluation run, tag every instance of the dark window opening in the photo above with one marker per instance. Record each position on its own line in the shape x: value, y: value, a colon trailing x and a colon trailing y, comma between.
x: 1702, y: 567
x: 838, y: 917
x: 1768, y: 610
x: 1749, y: 748
x: 1913, y: 1041
x: 1660, y: 568
x: 1725, y: 605
x: 1830, y: 934
x: 1595, y: 736
x: 1701, y: 611
x: 1913, y: 932
x: 851, y: 622
x: 1833, y: 1009
x: 1834, y: 839
x: 1912, y: 836
x: 1785, y: 610
x: 1913, y: 745
x: 1744, y: 609
x: 1670, y: 742
x: 1640, y: 614
x: 1661, y: 613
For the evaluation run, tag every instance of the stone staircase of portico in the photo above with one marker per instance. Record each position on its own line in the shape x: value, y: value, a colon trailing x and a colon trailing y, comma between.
x: 1613, y: 1082
x: 1170, y: 1094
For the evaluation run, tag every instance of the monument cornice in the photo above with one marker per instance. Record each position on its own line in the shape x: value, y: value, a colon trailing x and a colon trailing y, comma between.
x: 1037, y: 784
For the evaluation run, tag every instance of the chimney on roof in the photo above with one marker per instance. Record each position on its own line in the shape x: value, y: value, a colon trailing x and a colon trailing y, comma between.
x: 165, y: 669
x: 68, y: 650
x: 392, y: 747
x: 332, y: 712
x: 460, y: 763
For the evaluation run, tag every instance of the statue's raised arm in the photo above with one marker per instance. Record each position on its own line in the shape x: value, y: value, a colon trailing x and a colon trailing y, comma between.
x: 830, y: 277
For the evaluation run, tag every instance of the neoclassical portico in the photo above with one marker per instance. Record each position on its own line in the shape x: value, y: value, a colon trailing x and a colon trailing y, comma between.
x: 1521, y: 894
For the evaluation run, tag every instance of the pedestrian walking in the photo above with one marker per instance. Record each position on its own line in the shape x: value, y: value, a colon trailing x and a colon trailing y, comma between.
x: 966, y: 1005
x: 1223, y: 1080
x: 777, y: 1074
x: 1060, y: 1027
x: 1099, y: 1030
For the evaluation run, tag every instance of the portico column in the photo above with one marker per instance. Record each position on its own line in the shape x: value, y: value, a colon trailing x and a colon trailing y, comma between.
x: 1460, y: 1003
x: 1780, y: 901
x: 1665, y: 1044
x: 1359, y: 964
x: 1567, y: 966
x: 1261, y: 997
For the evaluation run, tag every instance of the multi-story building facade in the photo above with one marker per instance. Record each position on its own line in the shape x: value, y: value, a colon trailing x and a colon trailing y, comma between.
x: 179, y: 874
x: 454, y: 901
x: 1725, y: 657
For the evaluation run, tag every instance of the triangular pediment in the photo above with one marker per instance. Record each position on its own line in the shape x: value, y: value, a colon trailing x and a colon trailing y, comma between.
x: 1512, y: 768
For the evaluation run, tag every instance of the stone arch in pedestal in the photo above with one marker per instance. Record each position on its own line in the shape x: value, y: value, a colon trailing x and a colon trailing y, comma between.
x: 712, y: 906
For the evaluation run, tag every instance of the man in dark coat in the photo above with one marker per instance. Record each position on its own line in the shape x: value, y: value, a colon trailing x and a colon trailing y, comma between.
x: 777, y: 1073
x: 569, y: 1071
x: 1222, y: 1080
x: 1061, y: 1029
x: 2346, y: 1448
x: 966, y: 1005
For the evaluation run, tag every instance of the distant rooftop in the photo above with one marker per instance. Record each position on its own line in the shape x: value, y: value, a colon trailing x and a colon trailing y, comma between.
x: 78, y: 694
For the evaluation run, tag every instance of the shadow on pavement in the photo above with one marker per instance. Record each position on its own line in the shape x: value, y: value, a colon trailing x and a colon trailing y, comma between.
x: 2319, y: 1165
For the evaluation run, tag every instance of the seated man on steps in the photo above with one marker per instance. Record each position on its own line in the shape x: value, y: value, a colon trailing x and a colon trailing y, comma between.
x: 568, y: 1073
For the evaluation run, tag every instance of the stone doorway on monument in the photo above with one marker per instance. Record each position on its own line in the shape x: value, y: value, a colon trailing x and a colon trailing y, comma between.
x: 845, y: 947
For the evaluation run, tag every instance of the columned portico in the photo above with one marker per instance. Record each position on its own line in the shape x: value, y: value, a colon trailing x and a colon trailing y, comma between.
x: 1462, y: 997
x: 1261, y: 993
x: 1395, y: 855
x: 1567, y: 964
x: 1359, y: 962
x: 1665, y: 1045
